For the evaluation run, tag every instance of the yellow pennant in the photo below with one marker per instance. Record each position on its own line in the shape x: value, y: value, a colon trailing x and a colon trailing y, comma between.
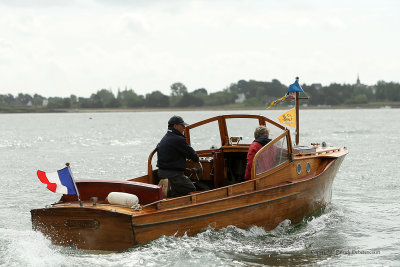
x: 288, y: 118
x: 276, y: 101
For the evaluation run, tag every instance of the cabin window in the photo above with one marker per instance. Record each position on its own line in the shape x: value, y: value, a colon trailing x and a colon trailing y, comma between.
x: 272, y: 156
x: 245, y: 127
x: 242, y: 127
x: 205, y: 136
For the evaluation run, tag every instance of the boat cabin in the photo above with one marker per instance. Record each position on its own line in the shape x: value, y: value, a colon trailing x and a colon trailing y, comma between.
x: 222, y: 143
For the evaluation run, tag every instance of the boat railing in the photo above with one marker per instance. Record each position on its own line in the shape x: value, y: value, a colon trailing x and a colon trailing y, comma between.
x: 150, y: 167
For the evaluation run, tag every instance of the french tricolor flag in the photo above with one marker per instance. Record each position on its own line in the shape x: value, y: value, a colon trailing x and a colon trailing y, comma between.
x: 58, y: 182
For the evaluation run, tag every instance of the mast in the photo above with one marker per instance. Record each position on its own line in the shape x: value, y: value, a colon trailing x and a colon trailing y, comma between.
x: 297, y: 110
x: 297, y: 119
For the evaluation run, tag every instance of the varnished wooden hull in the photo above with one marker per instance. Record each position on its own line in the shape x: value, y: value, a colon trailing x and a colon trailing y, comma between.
x: 266, y: 206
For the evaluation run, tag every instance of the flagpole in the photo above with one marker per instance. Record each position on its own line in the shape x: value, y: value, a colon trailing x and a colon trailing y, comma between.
x: 298, y: 114
x: 76, y: 188
x: 297, y: 119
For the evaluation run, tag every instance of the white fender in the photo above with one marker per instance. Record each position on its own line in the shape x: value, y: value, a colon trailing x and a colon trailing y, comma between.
x: 123, y: 199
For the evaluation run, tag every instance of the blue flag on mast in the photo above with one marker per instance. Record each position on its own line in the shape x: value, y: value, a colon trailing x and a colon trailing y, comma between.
x: 295, y: 87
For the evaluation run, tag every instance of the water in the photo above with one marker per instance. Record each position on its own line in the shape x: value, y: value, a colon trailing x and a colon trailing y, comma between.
x: 360, y: 226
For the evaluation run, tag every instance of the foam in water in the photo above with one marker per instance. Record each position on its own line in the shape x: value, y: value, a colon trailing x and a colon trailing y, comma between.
x: 28, y: 248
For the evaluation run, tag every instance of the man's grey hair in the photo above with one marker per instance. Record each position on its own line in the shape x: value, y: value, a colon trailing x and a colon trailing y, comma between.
x: 261, y: 131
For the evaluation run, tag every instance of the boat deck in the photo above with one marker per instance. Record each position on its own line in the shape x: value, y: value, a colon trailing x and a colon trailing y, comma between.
x: 105, y: 207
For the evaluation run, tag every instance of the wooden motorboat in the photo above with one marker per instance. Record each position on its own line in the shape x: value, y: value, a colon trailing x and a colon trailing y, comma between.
x: 297, y: 184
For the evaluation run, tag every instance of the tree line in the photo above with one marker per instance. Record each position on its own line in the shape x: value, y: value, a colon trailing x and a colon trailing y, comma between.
x: 243, y: 93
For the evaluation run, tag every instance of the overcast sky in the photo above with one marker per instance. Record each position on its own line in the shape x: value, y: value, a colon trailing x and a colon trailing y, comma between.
x: 60, y: 47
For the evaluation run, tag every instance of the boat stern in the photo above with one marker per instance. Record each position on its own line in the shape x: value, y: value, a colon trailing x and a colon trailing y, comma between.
x: 85, y: 228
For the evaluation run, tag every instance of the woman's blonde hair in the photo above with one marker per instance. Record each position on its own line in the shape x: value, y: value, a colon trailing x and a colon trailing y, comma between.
x: 261, y: 131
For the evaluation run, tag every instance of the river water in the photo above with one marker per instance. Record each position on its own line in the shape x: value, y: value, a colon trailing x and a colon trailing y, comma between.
x: 360, y: 227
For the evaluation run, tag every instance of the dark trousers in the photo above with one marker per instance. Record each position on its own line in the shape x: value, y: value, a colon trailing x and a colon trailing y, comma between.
x: 180, y: 185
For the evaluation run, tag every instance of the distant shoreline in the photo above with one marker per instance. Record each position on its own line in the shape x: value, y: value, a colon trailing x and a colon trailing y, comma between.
x: 380, y: 105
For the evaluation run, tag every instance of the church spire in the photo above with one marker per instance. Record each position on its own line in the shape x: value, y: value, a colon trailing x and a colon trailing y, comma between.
x: 358, y: 79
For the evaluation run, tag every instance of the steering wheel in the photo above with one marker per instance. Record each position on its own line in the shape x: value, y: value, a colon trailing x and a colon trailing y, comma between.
x: 196, y: 171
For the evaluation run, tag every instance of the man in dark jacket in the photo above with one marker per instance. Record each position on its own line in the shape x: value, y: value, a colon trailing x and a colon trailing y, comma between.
x: 172, y: 152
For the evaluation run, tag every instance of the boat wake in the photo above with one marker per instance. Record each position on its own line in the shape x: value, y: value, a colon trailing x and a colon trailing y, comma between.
x: 254, y: 246
x: 28, y: 248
